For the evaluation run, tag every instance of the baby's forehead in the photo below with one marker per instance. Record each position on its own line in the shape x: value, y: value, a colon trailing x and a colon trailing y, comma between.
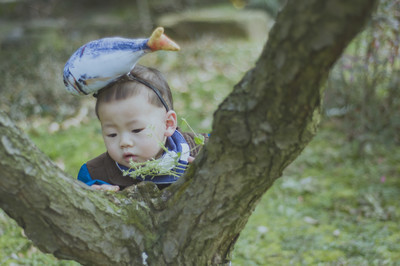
x: 137, y: 91
x: 142, y: 98
x: 131, y: 107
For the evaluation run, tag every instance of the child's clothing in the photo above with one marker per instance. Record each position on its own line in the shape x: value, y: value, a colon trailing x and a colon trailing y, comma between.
x: 104, y: 170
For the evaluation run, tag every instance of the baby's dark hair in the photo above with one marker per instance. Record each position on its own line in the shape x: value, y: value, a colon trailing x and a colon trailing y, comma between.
x: 126, y: 87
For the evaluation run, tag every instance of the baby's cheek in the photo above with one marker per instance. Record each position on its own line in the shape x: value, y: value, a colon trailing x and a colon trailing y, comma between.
x: 152, y: 148
x: 109, y: 145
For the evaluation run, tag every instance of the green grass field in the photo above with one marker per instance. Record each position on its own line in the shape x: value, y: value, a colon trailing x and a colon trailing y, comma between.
x: 337, y: 204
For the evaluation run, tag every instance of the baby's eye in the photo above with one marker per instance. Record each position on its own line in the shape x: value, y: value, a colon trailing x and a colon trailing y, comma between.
x: 137, y: 130
x: 112, y: 135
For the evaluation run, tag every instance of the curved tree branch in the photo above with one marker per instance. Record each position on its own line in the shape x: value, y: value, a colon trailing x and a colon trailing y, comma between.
x: 258, y: 130
x: 64, y: 217
x: 263, y: 125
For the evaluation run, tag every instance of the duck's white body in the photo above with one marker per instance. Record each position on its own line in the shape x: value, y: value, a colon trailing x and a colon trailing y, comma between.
x: 100, y: 62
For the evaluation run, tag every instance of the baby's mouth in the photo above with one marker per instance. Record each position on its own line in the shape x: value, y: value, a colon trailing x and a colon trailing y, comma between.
x: 128, y: 157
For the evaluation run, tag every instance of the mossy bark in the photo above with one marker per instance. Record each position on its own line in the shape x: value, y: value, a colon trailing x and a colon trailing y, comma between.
x: 258, y: 130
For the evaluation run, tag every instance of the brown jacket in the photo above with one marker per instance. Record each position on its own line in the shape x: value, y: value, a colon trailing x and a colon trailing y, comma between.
x: 104, y: 168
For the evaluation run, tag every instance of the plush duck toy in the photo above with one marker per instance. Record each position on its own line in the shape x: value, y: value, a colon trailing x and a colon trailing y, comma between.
x: 100, y: 62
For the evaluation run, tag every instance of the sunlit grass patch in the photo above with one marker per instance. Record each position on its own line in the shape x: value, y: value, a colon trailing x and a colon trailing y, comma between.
x: 332, y: 205
x: 70, y: 148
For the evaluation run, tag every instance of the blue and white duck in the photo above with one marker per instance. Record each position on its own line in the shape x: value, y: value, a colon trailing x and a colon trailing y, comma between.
x: 100, y: 62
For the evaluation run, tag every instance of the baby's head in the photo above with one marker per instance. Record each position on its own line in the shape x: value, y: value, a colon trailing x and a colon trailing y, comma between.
x: 127, y: 86
x: 136, y: 121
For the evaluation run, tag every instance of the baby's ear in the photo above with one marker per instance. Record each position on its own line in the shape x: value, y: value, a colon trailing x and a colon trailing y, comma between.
x: 171, y: 123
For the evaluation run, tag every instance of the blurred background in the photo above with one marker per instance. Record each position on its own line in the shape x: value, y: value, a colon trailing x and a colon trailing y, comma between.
x: 338, y: 203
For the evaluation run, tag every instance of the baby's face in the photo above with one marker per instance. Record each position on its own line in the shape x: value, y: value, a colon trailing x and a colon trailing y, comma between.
x: 133, y: 129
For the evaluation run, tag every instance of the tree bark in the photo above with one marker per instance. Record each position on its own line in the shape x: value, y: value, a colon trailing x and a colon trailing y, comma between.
x: 258, y: 130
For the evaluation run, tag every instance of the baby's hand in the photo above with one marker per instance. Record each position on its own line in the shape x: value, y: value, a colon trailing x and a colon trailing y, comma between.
x: 106, y: 187
x: 190, y: 159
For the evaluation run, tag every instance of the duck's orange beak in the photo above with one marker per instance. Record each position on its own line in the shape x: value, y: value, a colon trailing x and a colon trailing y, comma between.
x: 159, y: 41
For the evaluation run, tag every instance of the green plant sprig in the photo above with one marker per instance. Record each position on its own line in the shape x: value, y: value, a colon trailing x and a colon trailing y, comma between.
x: 157, y: 167
x: 198, y: 139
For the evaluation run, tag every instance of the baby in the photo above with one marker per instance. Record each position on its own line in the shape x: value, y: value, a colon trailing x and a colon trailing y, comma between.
x: 137, y: 121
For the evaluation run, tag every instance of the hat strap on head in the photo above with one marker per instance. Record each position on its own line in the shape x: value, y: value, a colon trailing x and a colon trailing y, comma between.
x: 156, y: 91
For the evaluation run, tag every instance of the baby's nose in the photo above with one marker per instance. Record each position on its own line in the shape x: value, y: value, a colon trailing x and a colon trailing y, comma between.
x: 126, y: 140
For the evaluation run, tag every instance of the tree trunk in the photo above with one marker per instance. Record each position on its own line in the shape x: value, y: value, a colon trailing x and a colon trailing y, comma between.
x: 258, y: 130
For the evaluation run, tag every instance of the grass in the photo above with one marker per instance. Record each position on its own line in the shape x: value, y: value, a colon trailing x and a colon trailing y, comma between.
x: 332, y: 206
